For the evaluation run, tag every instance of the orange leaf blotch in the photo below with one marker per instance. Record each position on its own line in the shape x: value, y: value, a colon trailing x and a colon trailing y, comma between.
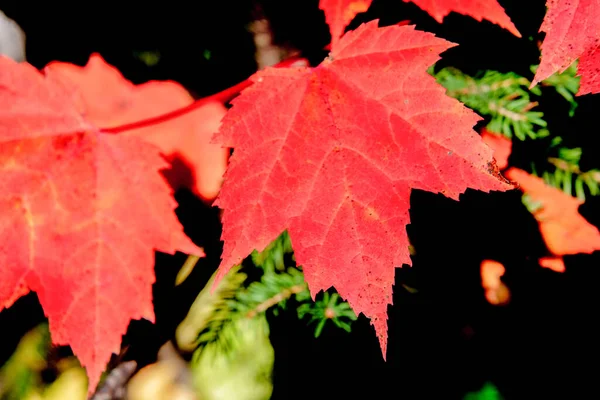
x: 332, y: 153
x: 81, y: 214
x: 110, y: 100
x: 556, y: 264
x: 501, y: 145
x: 496, y: 292
x: 565, y: 231
x: 572, y: 31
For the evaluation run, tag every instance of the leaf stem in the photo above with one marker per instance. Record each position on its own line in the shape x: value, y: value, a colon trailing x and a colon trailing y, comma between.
x: 223, y: 96
x: 270, y: 302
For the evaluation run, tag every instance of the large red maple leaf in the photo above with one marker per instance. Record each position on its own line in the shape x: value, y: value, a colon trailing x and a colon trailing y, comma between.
x: 331, y: 154
x: 111, y: 100
x: 81, y: 213
x: 572, y: 31
x: 338, y: 13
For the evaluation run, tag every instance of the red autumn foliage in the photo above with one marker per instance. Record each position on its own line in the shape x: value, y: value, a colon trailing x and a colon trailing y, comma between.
x: 478, y: 9
x: 334, y: 153
x: 572, y: 32
x: 339, y: 13
x: 82, y: 213
x: 556, y: 264
x: 110, y: 100
x: 329, y: 153
x: 565, y: 231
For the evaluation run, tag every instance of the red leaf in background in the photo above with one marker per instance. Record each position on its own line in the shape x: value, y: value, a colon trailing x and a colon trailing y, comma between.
x: 111, y: 100
x: 556, y: 264
x: 81, y: 214
x: 339, y: 13
x: 501, y: 145
x: 572, y: 31
x: 478, y: 9
x: 565, y: 231
x: 331, y: 154
x: 496, y: 292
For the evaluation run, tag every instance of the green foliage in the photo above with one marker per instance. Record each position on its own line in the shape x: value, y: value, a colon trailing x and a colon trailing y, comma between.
x: 21, y: 373
x: 21, y: 377
x: 150, y: 57
x: 502, y: 97
x: 210, y: 312
x: 329, y: 308
x: 505, y: 99
x: 243, y: 372
x: 487, y: 392
x: 563, y: 172
x: 279, y: 282
x: 227, y: 330
x: 566, y: 84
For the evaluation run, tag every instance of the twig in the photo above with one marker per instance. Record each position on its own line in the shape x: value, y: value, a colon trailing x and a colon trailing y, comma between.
x: 113, y: 387
x: 270, y: 302
x: 223, y: 96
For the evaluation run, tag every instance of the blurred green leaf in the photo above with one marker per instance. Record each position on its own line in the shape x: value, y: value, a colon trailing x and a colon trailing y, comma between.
x: 242, y: 371
x: 20, y: 375
x: 487, y: 392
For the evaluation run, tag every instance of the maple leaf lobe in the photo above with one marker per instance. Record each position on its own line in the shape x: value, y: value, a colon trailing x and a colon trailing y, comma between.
x: 332, y: 153
x: 81, y: 215
x: 490, y: 10
x: 572, y: 32
x: 338, y: 13
x: 107, y: 99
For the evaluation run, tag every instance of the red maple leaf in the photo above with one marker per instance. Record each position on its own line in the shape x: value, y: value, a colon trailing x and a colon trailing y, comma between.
x: 111, y: 100
x: 338, y: 13
x: 331, y: 154
x: 563, y: 228
x: 81, y: 213
x: 572, y: 31
x: 478, y: 9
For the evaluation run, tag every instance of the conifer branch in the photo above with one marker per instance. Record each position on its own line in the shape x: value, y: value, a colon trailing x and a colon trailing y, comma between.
x: 276, y: 299
x: 503, y: 98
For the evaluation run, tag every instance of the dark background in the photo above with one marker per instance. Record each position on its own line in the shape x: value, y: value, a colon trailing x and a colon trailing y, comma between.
x: 445, y: 339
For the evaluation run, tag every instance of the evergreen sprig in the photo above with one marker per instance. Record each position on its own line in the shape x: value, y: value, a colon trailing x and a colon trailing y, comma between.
x: 280, y: 282
x: 329, y: 308
x: 565, y: 83
x: 210, y: 317
x: 505, y: 98
x: 210, y: 312
x: 565, y: 174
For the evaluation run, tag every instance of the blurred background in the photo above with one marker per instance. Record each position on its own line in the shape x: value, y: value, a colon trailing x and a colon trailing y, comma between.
x: 446, y: 338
